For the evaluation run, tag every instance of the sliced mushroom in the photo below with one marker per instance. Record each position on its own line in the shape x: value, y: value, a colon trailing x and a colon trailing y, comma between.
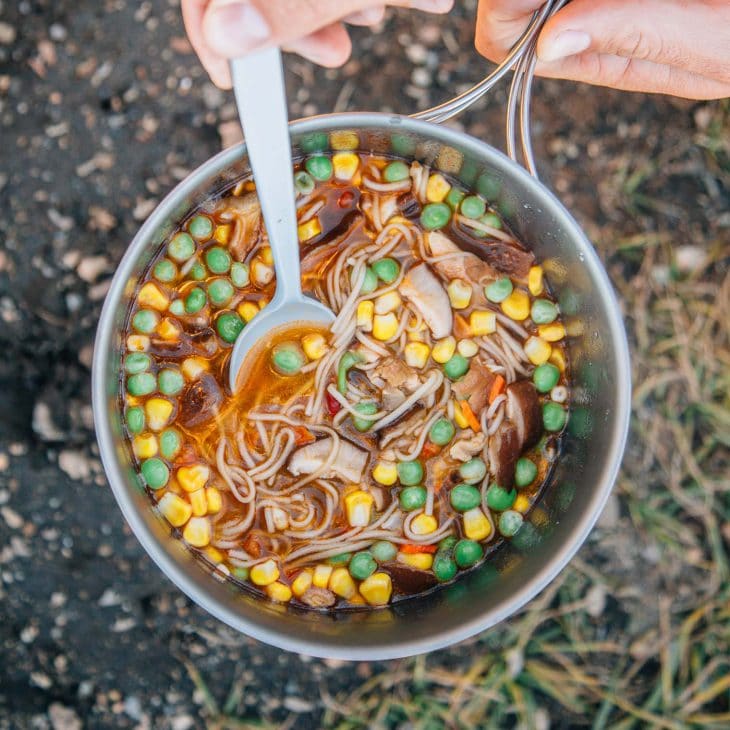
x: 245, y: 212
x: 409, y: 580
x: 475, y: 385
x: 425, y: 292
x: 318, y: 597
x: 199, y: 402
x: 523, y: 409
x: 504, y: 451
x: 392, y: 398
x: 349, y: 462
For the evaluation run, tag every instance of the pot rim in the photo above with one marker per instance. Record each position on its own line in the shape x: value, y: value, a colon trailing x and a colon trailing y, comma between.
x: 158, y: 551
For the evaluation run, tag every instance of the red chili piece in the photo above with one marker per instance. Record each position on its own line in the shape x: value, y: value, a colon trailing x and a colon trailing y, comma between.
x: 333, y: 405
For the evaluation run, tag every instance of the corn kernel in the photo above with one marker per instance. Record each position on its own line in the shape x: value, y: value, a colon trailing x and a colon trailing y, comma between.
x: 264, y: 574
x: 389, y: 302
x: 365, y: 315
x: 309, y: 230
x: 342, y: 584
x: 385, y: 473
x: 302, y: 583
x: 467, y: 348
x: 534, y: 281
x: 345, y: 165
x: 151, y: 296
x: 517, y: 305
x: 261, y: 273
x: 416, y: 334
x: 167, y: 329
x: 278, y: 591
x: 376, y: 589
x: 144, y: 446
x: 384, y: 326
x: 321, y: 575
x: 314, y: 345
x: 191, y: 478
x: 356, y: 600
x: 551, y: 332
x: 223, y: 233
x: 193, y: 367
x: 267, y: 255
x: 416, y: 354
x: 197, y: 532
x: 213, y: 554
x: 358, y: 505
x: 461, y: 421
x: 444, y: 350
x: 482, y: 322
x: 476, y: 524
x: 247, y: 310
x: 437, y: 188
x: 522, y: 504
x: 424, y: 524
x: 420, y: 561
x: 263, y: 302
x: 574, y: 327
x: 214, y: 499
x: 158, y: 411
x: 557, y: 358
x: 174, y: 509
x: 344, y: 141
x: 537, y: 350
x: 459, y: 292
x: 198, y: 502
x: 138, y: 343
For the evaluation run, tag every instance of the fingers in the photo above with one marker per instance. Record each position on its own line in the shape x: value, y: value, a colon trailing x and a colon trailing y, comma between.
x: 500, y: 23
x: 215, y: 65
x: 328, y: 47
x: 369, y: 16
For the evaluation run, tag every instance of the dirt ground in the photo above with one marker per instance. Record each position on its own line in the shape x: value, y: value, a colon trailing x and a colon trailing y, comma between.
x: 103, y: 109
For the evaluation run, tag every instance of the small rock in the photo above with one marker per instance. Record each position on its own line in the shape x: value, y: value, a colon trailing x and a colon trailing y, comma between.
x: 143, y: 208
x: 596, y: 600
x: 63, y: 718
x: 690, y: 259
x: 39, y: 679
x: 91, y: 267
x: 75, y: 464
x: 110, y: 598
x: 298, y: 704
x: 7, y: 33
x: 181, y: 722
x: 12, y: 519
x: 123, y: 624
x: 133, y: 707
x: 100, y: 219
x: 43, y: 424
x: 86, y: 355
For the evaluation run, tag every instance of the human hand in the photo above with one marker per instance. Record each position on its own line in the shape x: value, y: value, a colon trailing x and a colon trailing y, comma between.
x: 662, y: 46
x: 224, y: 29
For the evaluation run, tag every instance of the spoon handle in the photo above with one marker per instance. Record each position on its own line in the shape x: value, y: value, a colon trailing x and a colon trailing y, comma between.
x: 258, y: 83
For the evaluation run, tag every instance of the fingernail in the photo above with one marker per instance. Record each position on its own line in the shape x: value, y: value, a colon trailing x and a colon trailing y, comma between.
x: 432, y: 6
x: 237, y: 27
x: 566, y: 43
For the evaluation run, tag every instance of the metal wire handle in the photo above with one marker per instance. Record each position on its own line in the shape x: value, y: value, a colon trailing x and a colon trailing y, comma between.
x: 521, y: 59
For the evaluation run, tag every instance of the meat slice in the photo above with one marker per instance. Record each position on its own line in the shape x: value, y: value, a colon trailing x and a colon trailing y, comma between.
x: 504, y: 451
x: 397, y: 374
x: 425, y: 292
x: 475, y: 385
x: 245, y: 212
x: 464, y: 449
x: 523, y: 409
x: 392, y: 398
x: 349, y: 462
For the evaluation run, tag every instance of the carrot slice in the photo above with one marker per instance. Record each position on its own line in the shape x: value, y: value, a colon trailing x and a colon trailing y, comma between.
x: 303, y: 436
x: 429, y: 449
x: 497, y: 387
x: 410, y: 549
x: 471, y: 419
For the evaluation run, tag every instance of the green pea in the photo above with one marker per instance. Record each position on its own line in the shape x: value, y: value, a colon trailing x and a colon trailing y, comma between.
x: 155, y: 473
x: 287, y: 358
x: 543, y: 311
x: 218, y: 260
x: 444, y: 567
x: 454, y: 197
x: 220, y: 292
x: 456, y: 367
x: 145, y: 320
x: 170, y: 443
x: 447, y: 544
x: 492, y: 220
x: 229, y: 326
x: 412, y: 498
x: 141, y: 384
x: 362, y: 565
x: 553, y: 416
x: 525, y: 472
x: 383, y: 551
x: 370, y: 282
x: 409, y: 472
x: 201, y: 227
x: 319, y: 167
x: 498, y: 290
x: 435, y: 215
x: 240, y: 274
x: 396, y: 171
x: 510, y: 522
x: 135, y: 419
x: 177, y: 307
x: 473, y: 207
x: 465, y: 497
x: 367, y: 409
x: 499, y: 498
x: 467, y: 553
x: 240, y: 573
x: 387, y: 270
x: 442, y: 432
x: 165, y: 270
x: 473, y: 471
x: 137, y: 362
x: 303, y: 182
x: 170, y: 381
x: 545, y: 377
x: 195, y: 301
x: 197, y: 272
x: 341, y: 559
x: 181, y: 248
x: 315, y: 142
x: 403, y: 145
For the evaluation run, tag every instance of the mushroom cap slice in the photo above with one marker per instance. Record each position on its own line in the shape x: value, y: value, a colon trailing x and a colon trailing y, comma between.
x: 425, y: 292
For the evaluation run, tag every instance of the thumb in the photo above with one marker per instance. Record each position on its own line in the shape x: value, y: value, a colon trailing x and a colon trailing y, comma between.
x: 668, y: 33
